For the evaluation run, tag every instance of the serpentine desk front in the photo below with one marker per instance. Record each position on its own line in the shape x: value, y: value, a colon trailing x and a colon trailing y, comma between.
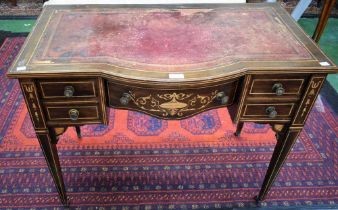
x: 171, y: 62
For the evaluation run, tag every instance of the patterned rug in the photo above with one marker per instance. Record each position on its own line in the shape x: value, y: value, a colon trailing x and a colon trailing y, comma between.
x: 140, y: 162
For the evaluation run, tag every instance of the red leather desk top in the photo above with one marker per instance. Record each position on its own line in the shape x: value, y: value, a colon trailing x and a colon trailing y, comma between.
x: 170, y: 40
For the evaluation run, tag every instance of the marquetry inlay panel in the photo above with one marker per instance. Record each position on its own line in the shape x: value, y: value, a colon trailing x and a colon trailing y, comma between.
x: 172, y: 103
x: 32, y: 102
x: 308, y: 100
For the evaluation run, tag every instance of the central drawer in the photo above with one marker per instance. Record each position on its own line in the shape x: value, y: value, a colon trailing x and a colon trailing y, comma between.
x: 171, y: 103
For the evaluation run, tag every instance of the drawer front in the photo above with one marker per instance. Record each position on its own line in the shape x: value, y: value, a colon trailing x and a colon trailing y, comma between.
x: 68, y: 88
x: 73, y: 113
x: 171, y: 103
x: 276, y: 86
x: 269, y: 111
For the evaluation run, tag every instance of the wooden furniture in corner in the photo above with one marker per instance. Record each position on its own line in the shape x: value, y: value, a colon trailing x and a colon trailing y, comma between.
x: 323, y: 18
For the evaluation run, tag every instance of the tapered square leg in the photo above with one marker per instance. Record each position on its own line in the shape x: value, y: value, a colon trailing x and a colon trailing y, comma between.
x: 51, y: 155
x: 284, y: 145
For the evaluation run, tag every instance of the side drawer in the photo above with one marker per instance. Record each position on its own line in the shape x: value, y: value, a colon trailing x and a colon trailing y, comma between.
x: 269, y: 111
x: 276, y: 86
x: 71, y: 88
x: 73, y: 114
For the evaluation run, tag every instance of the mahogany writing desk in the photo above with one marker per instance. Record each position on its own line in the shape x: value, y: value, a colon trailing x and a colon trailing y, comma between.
x: 171, y: 62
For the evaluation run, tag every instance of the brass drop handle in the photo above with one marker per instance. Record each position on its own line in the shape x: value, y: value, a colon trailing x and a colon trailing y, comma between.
x: 69, y: 91
x: 124, y: 100
x: 74, y: 114
x: 278, y: 89
x: 271, y: 111
x: 222, y: 98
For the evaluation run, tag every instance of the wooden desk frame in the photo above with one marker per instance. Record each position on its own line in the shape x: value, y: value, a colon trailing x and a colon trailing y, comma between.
x: 240, y: 78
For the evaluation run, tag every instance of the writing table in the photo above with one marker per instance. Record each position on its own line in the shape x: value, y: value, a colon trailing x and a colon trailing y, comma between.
x: 171, y: 62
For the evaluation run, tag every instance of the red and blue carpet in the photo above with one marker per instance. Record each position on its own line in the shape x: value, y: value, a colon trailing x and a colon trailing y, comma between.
x: 140, y: 162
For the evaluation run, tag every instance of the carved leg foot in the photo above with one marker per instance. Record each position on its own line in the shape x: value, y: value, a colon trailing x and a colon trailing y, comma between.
x: 239, y: 128
x: 287, y: 139
x: 51, y: 155
x: 78, y: 131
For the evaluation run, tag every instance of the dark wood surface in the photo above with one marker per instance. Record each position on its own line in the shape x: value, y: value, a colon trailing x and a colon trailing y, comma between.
x: 255, y: 83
